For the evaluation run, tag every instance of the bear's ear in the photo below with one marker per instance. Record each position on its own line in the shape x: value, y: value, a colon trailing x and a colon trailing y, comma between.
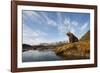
x: 70, y: 33
x: 67, y: 33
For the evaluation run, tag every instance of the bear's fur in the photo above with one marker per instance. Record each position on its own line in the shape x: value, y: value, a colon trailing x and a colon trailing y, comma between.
x: 72, y: 37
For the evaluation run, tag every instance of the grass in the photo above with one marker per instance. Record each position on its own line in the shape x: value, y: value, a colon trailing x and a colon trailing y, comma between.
x: 77, y: 50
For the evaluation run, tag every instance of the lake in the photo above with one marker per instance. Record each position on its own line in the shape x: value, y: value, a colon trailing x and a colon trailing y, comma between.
x: 37, y: 55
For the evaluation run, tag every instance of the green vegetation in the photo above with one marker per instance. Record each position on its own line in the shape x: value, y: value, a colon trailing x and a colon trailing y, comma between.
x: 76, y: 50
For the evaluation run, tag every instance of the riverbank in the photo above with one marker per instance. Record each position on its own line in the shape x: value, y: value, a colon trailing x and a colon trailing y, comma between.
x: 76, y: 50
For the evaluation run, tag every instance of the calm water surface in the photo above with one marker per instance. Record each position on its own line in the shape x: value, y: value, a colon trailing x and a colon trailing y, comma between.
x: 36, y: 55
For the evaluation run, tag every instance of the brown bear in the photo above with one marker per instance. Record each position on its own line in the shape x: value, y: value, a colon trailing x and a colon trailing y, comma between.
x: 72, y: 37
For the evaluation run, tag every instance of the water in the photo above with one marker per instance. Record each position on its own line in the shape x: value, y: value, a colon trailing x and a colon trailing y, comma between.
x: 36, y: 55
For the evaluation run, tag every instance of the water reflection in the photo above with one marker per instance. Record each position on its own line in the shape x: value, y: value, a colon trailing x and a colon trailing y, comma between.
x: 36, y: 55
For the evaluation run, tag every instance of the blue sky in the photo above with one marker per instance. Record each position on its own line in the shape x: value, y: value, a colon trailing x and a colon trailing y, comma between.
x: 47, y: 27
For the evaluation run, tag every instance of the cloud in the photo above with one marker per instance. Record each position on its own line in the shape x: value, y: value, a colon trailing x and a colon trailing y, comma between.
x: 73, y: 26
x: 67, y: 23
x: 38, y: 17
x: 30, y: 35
x: 62, y: 23
x: 59, y: 17
x: 33, y: 41
x: 37, y: 40
x: 62, y: 29
x: 85, y: 26
x: 51, y: 23
x: 47, y: 20
x: 35, y: 37
x: 27, y: 31
x: 31, y: 13
x: 30, y: 16
x: 75, y: 23
x: 44, y: 15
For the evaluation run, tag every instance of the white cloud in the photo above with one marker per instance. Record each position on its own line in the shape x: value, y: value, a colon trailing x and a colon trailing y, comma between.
x: 31, y: 13
x: 74, y: 27
x: 74, y: 23
x: 37, y: 40
x: 35, y: 37
x: 31, y: 36
x: 39, y: 17
x: 64, y: 26
x: 84, y: 26
x: 51, y: 23
x: 47, y: 20
x: 67, y: 23
x: 44, y: 16
x: 59, y: 17
x: 62, y: 29
x: 73, y: 30
x: 28, y: 31
x: 33, y: 41
x: 83, y: 29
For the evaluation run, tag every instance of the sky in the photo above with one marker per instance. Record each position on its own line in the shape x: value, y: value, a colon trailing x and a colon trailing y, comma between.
x: 50, y: 26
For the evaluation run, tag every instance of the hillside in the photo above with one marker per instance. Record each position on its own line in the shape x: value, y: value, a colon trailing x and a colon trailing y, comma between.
x: 86, y: 37
x: 26, y: 46
x: 77, y: 50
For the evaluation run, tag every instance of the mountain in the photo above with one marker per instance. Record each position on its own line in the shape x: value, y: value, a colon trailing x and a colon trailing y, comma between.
x: 25, y: 46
